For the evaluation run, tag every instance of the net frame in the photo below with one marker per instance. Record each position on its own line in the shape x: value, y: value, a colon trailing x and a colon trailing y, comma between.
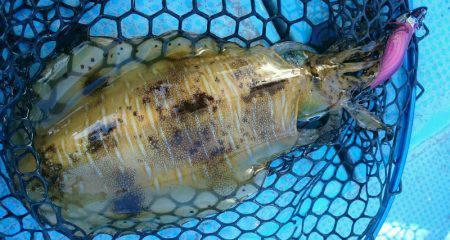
x: 23, y: 58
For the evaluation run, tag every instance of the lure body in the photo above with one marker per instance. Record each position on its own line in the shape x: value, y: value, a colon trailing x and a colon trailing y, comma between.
x: 130, y: 135
x: 397, y: 45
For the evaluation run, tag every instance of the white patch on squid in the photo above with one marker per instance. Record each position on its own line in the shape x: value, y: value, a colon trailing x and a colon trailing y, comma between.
x: 150, y: 116
x: 127, y: 134
x: 236, y: 114
x: 231, y: 86
x: 156, y: 182
x: 179, y: 175
x: 58, y: 153
x: 211, y: 77
x: 228, y: 162
x: 213, y: 131
x: 136, y: 133
x: 127, y: 100
x: 148, y: 170
x: 138, y: 107
x: 63, y: 147
x: 249, y: 151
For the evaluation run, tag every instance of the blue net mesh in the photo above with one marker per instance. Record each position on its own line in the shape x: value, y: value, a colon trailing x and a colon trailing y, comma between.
x: 334, y: 191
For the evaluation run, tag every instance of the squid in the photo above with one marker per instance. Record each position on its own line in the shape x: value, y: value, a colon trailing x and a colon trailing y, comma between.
x: 165, y: 129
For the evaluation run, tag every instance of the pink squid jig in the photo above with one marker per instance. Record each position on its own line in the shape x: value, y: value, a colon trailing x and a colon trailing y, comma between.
x: 398, y: 43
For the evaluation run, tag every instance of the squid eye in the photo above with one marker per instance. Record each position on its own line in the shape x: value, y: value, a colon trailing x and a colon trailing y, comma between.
x: 313, y: 122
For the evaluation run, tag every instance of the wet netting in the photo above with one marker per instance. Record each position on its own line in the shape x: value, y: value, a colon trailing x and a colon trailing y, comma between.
x: 333, y: 191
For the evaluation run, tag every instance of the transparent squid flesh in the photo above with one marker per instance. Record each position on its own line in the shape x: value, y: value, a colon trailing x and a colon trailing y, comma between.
x: 131, y: 135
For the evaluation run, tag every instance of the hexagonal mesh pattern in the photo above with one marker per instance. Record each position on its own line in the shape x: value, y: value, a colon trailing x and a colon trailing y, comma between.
x: 334, y: 191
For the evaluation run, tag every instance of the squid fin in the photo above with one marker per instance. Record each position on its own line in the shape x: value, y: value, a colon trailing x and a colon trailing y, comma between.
x: 206, y: 47
x: 65, y: 78
x: 102, y: 41
x: 179, y: 48
x: 179, y: 45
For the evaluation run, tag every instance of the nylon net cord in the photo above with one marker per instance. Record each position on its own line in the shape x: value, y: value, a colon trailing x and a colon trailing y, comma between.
x: 309, y: 194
